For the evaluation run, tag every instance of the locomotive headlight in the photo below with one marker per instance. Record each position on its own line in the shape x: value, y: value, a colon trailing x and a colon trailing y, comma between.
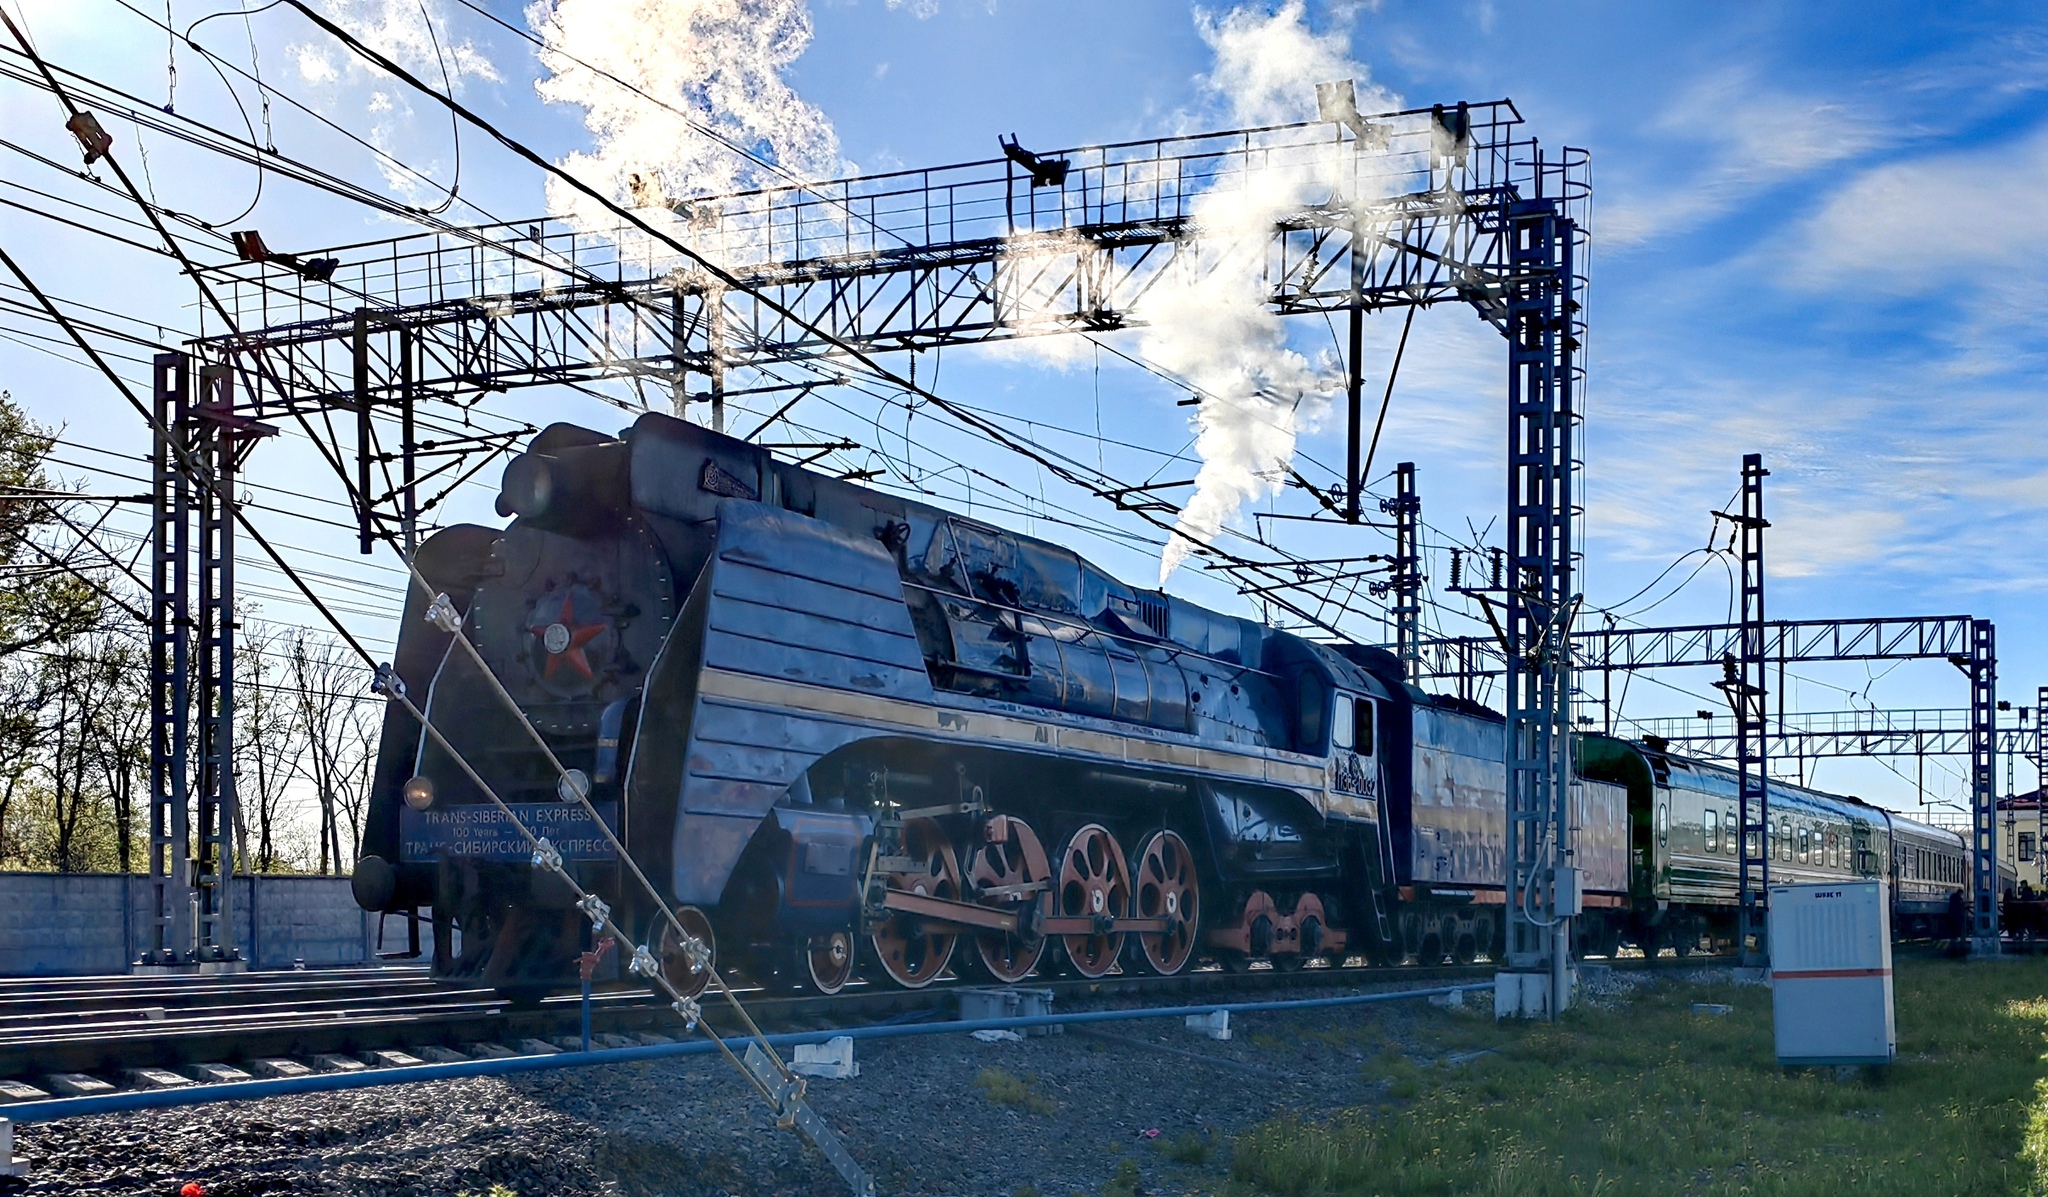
x: 419, y: 792
x: 574, y: 786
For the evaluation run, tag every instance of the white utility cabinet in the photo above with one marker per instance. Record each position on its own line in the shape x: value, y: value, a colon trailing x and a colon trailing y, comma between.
x: 1831, y: 973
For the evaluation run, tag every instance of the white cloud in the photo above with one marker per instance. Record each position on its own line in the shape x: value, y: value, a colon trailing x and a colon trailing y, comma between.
x: 1750, y: 137
x: 1978, y: 216
x: 313, y: 66
x: 413, y: 34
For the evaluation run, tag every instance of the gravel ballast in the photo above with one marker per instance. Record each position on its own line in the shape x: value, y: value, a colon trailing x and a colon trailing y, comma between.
x: 930, y: 1116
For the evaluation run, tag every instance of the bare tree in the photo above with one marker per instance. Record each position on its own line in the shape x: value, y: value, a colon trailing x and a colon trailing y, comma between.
x: 337, y: 743
x: 269, y: 744
x: 83, y: 685
x: 21, y: 703
x: 119, y: 747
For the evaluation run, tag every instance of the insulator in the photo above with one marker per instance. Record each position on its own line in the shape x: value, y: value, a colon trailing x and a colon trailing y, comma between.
x: 442, y: 614
x: 1457, y: 569
x: 1498, y: 561
x: 387, y: 682
x: 691, y: 1011
x: 546, y: 857
x: 643, y: 964
x: 595, y: 910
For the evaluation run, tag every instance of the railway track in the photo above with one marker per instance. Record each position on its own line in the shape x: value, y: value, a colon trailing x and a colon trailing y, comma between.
x: 110, y: 1027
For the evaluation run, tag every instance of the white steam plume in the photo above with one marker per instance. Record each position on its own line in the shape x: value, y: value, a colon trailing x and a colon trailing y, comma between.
x: 1209, y: 320
x: 715, y: 64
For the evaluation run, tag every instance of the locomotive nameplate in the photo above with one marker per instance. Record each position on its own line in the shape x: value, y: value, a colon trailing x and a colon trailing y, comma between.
x: 483, y: 832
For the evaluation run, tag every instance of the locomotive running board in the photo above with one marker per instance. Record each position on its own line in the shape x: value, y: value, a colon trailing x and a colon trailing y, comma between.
x: 967, y: 916
x: 793, y: 1112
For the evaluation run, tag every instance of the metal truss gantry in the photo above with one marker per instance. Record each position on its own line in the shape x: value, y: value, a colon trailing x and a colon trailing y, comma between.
x: 1395, y: 210
x: 1818, y: 735
x: 1968, y: 644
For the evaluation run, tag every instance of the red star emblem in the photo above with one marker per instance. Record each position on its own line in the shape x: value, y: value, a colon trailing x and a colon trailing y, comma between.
x: 564, y: 640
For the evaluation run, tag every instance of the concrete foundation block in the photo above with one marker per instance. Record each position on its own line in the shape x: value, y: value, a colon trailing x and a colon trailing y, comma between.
x: 491, y: 1051
x: 17, y: 1091
x: 216, y: 1074
x: 537, y: 1047
x: 441, y: 1055
x: 156, y: 1078
x: 832, y: 1059
x: 1215, y: 1024
x: 390, y: 1058
x: 278, y: 1067
x: 336, y: 1063
x: 76, y: 1084
x: 9, y: 1165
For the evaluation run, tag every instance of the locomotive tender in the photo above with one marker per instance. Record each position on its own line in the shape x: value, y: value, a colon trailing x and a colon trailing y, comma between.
x: 839, y: 726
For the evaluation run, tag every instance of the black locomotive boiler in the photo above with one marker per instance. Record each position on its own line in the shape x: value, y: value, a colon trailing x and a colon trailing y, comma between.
x: 839, y: 729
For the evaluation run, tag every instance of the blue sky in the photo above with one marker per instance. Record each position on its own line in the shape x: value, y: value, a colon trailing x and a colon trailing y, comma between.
x: 1818, y: 233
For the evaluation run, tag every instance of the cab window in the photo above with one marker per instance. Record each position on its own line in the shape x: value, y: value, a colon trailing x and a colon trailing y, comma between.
x: 1362, y: 727
x: 1340, y: 727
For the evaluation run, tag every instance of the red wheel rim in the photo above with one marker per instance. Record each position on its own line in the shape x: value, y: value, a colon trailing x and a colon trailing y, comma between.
x: 1094, y: 882
x: 1166, y: 889
x: 1010, y: 855
x: 676, y: 965
x: 908, y: 949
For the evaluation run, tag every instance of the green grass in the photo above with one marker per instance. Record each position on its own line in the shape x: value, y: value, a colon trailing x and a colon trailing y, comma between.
x: 1652, y: 1098
x: 1192, y: 1148
x: 1125, y: 1182
x: 1008, y: 1089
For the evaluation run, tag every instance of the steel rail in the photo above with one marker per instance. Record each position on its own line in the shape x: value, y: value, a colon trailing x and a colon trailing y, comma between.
x: 152, y: 1099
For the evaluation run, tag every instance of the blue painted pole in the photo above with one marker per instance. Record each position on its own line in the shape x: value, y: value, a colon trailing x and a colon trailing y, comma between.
x: 586, y: 1014
x: 152, y: 1099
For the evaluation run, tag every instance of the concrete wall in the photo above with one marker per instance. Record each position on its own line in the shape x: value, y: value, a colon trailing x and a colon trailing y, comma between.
x: 69, y: 924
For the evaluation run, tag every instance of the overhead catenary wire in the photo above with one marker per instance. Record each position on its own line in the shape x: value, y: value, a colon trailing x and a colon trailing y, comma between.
x: 396, y: 692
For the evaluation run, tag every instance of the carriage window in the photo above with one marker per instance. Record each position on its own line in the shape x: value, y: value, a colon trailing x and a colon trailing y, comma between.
x: 1713, y: 837
x: 1834, y: 851
x: 1785, y: 840
x: 1805, y: 843
x: 1361, y: 737
x: 1340, y: 728
x: 1663, y: 822
x: 1728, y: 824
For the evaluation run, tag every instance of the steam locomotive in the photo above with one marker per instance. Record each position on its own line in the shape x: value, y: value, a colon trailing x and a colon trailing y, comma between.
x: 846, y: 733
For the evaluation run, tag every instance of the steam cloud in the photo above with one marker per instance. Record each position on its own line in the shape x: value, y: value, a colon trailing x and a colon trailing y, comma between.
x: 719, y: 63
x: 714, y: 63
x: 1209, y: 321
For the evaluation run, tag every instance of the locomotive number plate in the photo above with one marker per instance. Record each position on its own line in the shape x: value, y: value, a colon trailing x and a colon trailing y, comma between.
x: 485, y: 833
